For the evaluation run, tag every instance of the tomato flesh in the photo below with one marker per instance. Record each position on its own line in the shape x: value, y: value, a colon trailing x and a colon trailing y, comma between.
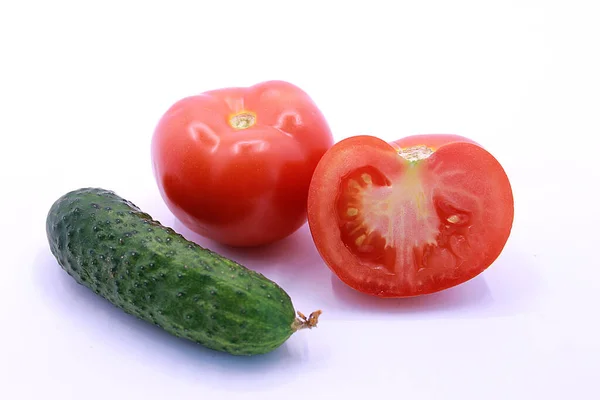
x: 394, y: 220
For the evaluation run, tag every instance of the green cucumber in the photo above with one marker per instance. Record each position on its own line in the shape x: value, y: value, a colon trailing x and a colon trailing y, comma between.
x: 109, y: 245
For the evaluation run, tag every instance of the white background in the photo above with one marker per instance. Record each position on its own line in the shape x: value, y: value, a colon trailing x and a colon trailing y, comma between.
x: 83, y: 84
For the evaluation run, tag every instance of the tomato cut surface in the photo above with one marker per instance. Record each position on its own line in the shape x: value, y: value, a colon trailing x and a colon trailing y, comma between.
x: 411, y: 217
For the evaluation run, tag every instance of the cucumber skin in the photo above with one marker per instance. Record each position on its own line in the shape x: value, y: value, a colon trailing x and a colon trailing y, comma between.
x: 109, y: 245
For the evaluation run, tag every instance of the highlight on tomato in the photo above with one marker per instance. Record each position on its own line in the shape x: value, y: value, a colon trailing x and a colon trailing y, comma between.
x: 234, y: 164
x: 410, y: 217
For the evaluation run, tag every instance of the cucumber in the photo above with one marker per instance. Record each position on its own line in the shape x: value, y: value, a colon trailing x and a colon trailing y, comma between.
x: 109, y: 245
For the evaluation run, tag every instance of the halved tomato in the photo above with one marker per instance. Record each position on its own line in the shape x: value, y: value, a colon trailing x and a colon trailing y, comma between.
x: 411, y: 217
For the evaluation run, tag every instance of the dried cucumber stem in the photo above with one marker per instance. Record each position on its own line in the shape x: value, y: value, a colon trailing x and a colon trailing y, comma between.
x: 302, y: 322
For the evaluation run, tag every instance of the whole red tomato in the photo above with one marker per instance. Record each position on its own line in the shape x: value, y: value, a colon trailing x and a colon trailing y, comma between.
x: 410, y: 217
x: 235, y: 164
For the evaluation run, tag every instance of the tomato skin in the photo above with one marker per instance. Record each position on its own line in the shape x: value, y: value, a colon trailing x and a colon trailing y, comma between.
x: 390, y: 227
x: 432, y: 140
x: 234, y: 164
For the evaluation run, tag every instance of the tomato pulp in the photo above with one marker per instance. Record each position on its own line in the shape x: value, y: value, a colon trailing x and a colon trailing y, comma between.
x: 410, y: 217
x: 235, y: 164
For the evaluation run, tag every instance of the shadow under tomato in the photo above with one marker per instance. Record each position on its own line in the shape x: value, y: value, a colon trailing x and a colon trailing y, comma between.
x: 80, y: 309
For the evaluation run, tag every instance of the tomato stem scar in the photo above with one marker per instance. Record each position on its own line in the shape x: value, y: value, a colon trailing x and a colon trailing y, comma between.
x: 243, y: 120
x: 415, y: 153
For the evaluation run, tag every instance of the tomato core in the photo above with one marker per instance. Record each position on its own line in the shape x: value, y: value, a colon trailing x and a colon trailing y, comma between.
x: 383, y: 222
x: 243, y: 120
x: 403, y: 225
x: 415, y: 153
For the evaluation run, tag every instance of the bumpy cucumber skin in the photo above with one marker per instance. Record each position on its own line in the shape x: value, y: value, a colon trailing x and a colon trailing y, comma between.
x: 109, y: 245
